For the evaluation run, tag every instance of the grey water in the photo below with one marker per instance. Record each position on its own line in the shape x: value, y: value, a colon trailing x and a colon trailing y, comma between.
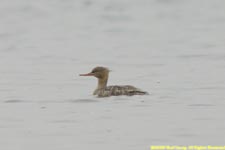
x: 174, y: 49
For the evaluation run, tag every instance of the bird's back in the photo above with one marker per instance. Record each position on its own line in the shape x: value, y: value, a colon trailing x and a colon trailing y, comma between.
x: 120, y: 90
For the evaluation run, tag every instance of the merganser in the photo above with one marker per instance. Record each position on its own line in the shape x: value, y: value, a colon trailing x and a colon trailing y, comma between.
x: 102, y: 90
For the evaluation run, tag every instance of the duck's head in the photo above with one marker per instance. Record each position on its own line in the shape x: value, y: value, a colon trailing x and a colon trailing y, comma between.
x: 98, y: 72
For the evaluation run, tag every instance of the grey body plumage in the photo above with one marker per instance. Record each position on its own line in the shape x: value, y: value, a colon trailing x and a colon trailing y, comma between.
x: 117, y: 90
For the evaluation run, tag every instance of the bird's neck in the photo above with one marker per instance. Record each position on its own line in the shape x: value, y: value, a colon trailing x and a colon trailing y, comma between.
x: 102, y: 82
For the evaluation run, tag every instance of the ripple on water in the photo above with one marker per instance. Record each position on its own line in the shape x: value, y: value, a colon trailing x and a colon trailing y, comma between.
x: 64, y: 121
x: 82, y: 101
x: 203, y: 118
x: 185, y: 135
x: 201, y: 105
x: 15, y: 101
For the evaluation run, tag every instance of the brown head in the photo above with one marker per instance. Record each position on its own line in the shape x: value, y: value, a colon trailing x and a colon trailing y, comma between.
x: 102, y: 74
x: 98, y: 72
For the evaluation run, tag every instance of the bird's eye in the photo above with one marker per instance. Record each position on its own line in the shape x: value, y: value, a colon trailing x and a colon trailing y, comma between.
x: 93, y: 71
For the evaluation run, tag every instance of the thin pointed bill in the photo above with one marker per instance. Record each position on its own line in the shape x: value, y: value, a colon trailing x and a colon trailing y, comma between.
x: 88, y: 74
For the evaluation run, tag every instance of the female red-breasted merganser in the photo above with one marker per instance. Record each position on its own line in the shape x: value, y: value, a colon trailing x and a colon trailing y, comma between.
x: 103, y: 90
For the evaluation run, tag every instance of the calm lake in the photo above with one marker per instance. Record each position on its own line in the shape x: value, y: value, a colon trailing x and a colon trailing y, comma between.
x: 174, y: 49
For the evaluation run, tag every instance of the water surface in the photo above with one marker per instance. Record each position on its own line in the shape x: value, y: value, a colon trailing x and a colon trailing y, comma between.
x: 173, y: 49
